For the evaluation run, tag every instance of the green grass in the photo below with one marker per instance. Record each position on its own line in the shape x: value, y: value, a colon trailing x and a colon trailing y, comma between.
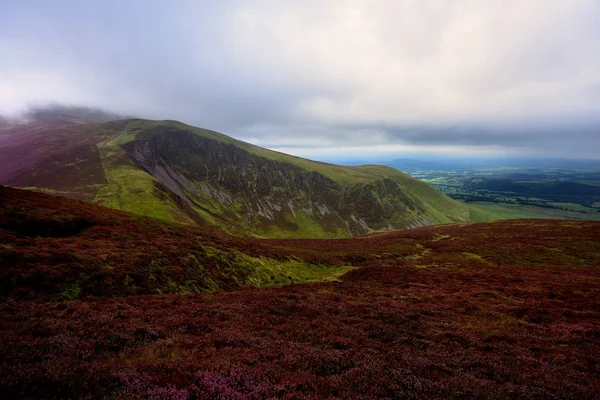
x: 307, y: 228
x: 573, y: 207
x: 130, y: 188
x: 485, y: 212
x: 270, y: 272
x: 71, y: 292
x: 265, y: 271
x: 441, y: 207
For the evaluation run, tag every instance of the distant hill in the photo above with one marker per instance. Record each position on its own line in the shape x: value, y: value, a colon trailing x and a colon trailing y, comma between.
x: 467, y: 163
x: 175, y: 172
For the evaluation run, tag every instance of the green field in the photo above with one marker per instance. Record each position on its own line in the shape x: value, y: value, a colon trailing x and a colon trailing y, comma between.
x: 485, y: 212
x: 574, y: 207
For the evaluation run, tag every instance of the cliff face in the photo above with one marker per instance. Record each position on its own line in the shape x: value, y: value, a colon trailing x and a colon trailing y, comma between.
x: 172, y: 171
x: 268, y: 196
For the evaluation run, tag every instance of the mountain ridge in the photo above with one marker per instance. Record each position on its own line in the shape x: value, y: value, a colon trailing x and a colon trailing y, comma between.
x: 176, y: 172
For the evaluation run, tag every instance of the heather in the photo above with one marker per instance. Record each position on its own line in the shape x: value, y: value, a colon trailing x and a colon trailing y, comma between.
x: 499, y: 310
x: 59, y: 249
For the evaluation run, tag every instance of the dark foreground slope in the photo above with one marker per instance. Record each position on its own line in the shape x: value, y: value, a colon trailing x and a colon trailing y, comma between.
x: 53, y: 248
x: 499, y: 310
x: 176, y: 172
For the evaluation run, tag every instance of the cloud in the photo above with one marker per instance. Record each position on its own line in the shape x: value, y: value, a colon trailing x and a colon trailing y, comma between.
x: 512, y: 75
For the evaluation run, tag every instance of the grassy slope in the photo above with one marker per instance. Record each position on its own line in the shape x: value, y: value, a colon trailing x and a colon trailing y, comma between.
x: 439, y: 207
x: 130, y: 188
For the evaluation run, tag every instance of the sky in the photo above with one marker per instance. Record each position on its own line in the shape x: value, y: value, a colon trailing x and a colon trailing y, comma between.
x: 323, y: 78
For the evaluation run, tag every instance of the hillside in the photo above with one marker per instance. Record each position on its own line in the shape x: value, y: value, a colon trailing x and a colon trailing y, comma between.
x: 509, y: 309
x: 54, y: 248
x: 175, y: 172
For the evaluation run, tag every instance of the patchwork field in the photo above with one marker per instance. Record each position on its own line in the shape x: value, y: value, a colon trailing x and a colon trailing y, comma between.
x: 529, y: 189
x: 507, y: 309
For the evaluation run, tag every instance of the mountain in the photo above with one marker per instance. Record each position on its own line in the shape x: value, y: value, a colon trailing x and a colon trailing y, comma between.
x: 175, y: 172
x: 96, y: 303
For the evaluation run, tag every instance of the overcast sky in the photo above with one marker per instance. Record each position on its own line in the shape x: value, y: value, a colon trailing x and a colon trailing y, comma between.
x: 322, y: 78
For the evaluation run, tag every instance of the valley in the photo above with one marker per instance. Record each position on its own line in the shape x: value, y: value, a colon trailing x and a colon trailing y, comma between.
x: 566, y: 189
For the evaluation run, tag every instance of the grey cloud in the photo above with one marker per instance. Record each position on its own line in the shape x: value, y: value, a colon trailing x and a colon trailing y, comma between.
x: 514, y: 74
